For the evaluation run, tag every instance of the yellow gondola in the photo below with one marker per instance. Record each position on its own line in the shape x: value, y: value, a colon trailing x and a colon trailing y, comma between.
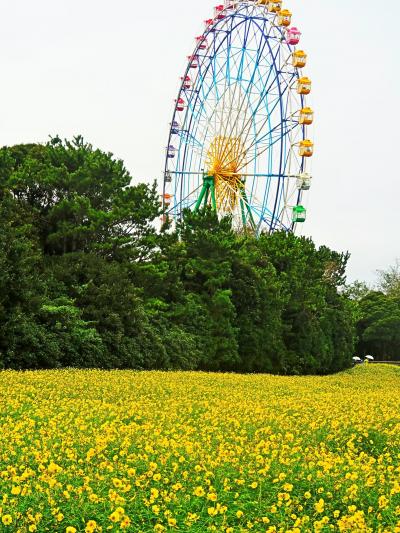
x: 306, y: 148
x: 304, y: 86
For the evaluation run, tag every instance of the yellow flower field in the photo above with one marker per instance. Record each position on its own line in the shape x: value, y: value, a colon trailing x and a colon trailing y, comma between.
x: 91, y: 451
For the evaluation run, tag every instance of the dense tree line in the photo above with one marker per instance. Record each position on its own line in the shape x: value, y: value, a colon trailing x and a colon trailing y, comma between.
x: 86, y: 280
x: 377, y: 312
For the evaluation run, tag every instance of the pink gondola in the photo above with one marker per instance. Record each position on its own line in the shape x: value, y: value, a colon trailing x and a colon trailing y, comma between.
x: 186, y: 82
x: 180, y: 104
x: 293, y: 36
x: 218, y: 12
x: 201, y: 42
x: 194, y: 61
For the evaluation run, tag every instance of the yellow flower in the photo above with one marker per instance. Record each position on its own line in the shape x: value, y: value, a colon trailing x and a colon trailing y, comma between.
x: 347, y: 443
x: 115, y: 517
x: 6, y: 519
x: 154, y: 493
x: 320, y: 506
x: 383, y: 502
x: 125, y: 522
x: 199, y: 491
x: 254, y: 485
x: 91, y: 525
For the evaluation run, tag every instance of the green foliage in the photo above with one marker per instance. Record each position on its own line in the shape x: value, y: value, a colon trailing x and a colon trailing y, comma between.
x: 379, y: 326
x: 87, y: 281
x: 389, y: 280
x: 80, y: 199
x: 377, y: 314
x: 316, y: 320
x: 357, y: 290
x: 71, y: 227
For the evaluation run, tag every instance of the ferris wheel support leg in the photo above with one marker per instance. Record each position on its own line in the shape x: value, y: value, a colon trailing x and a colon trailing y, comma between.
x: 246, y: 202
x: 242, y: 209
x: 213, y: 200
x: 200, y: 198
x: 206, y: 197
x: 208, y: 187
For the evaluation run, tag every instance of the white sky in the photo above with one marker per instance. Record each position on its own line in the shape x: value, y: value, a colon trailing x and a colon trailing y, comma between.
x: 109, y: 70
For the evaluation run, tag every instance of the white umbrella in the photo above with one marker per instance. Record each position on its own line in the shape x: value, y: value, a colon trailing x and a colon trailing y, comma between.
x: 369, y: 358
x: 356, y: 359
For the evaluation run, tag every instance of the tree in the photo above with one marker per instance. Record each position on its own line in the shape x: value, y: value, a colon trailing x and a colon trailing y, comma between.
x: 74, y: 229
x: 20, y: 283
x: 209, y: 246
x: 357, y: 290
x: 317, y: 323
x: 389, y: 280
x: 86, y: 280
x: 80, y: 199
x: 379, y: 326
x: 257, y: 297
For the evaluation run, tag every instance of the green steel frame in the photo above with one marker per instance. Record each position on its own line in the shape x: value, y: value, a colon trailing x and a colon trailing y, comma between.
x: 208, y: 189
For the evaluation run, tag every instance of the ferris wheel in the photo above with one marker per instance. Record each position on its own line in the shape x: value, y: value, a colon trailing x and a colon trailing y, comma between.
x: 239, y: 139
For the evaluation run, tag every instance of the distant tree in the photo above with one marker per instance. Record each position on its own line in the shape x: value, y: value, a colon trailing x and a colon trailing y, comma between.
x: 389, y: 280
x: 379, y: 326
x: 357, y: 290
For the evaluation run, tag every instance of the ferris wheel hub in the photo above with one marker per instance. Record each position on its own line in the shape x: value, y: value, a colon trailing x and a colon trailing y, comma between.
x: 225, y: 158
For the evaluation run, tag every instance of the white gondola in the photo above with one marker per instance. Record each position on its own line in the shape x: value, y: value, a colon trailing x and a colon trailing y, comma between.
x: 304, y: 181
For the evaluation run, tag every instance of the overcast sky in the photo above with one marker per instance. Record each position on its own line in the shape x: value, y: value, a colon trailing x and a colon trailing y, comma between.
x: 109, y: 70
